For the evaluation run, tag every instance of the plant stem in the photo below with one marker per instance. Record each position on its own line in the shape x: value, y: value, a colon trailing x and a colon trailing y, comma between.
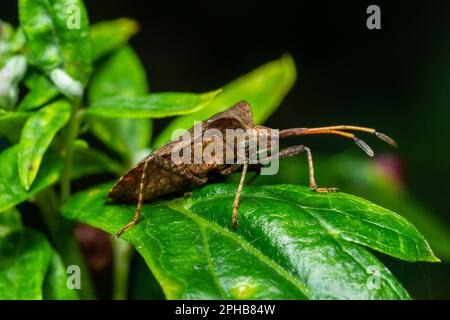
x: 48, y: 203
x: 64, y: 239
x: 67, y: 152
x: 71, y: 255
x: 122, y: 253
x: 61, y: 232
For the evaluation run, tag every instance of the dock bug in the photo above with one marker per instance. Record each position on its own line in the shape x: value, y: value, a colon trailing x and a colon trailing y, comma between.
x: 157, y: 174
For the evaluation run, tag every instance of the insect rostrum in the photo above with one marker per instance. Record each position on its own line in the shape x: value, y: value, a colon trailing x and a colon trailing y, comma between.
x: 158, y: 174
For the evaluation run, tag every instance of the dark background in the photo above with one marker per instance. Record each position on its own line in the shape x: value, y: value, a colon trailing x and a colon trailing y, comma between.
x: 395, y: 79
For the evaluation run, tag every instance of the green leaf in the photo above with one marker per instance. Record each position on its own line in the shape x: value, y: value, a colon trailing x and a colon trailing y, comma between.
x: 11, y: 41
x: 10, y: 221
x: 13, y: 71
x: 57, y: 33
x: 6, y: 34
x: 37, y: 134
x: 264, y: 88
x: 290, y: 243
x: 88, y: 161
x: 126, y: 136
x: 69, y: 87
x: 11, y: 123
x: 41, y: 92
x: 364, y: 177
x: 18, y: 41
x: 10, y: 75
x: 55, y: 283
x: 11, y: 190
x: 154, y: 105
x: 25, y: 258
x: 120, y: 74
x: 369, y: 179
x: 108, y: 36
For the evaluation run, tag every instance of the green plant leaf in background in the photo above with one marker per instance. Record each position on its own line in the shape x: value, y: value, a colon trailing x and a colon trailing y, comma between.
x: 122, y: 74
x: 57, y: 34
x: 11, y: 41
x: 10, y: 75
x: 55, y: 282
x: 8, y: 92
x: 41, y: 91
x: 88, y: 161
x: 264, y: 88
x: 11, y: 190
x: 25, y: 269
x: 291, y: 243
x: 11, y: 123
x: 36, y: 137
x: 154, y: 105
x: 108, y: 36
x: 25, y: 258
x: 6, y: 34
x: 10, y: 221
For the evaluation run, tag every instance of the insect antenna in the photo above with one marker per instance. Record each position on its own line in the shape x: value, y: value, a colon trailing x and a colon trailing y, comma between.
x: 378, y: 134
x: 386, y: 138
x: 339, y: 130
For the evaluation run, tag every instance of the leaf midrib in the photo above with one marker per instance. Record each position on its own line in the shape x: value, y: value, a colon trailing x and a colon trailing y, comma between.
x: 331, y: 235
x: 209, y: 259
x: 174, y: 205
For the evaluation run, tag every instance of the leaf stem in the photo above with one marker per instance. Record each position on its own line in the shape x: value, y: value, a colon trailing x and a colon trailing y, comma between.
x: 122, y: 253
x: 48, y: 203
x: 67, y: 152
x: 61, y: 232
x: 64, y: 238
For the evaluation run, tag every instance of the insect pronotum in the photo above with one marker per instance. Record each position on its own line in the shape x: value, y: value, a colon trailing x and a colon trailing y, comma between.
x: 157, y: 174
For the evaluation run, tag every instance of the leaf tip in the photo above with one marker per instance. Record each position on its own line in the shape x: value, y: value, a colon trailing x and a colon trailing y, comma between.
x: 433, y: 258
x: 25, y: 184
x: 288, y: 62
x: 133, y: 25
x: 25, y: 177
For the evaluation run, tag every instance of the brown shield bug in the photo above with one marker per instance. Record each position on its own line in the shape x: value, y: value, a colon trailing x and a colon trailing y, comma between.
x: 158, y: 174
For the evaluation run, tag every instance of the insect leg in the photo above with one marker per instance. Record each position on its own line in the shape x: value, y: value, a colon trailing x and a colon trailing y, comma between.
x: 237, y: 166
x: 295, y: 150
x: 229, y: 170
x: 157, y: 161
x: 137, y: 212
x: 238, y: 195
